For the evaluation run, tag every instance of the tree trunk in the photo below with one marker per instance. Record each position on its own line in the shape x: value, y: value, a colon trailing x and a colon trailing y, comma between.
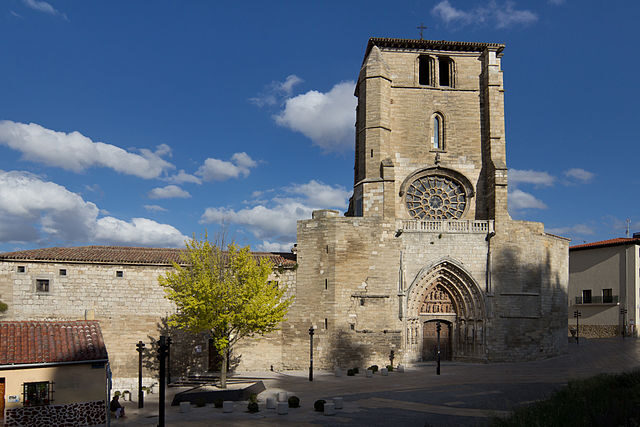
x: 223, y: 370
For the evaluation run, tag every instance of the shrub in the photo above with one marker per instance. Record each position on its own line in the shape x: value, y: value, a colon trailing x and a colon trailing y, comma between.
x: 294, y: 402
x: 253, y: 398
x: 200, y: 402
x: 373, y: 368
x: 318, y: 405
x: 390, y: 368
x: 3, y: 307
x: 356, y: 370
x: 253, y: 407
x: 218, y: 403
x: 350, y: 372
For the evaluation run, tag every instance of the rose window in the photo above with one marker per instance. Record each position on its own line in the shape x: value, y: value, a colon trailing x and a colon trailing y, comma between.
x: 436, y: 197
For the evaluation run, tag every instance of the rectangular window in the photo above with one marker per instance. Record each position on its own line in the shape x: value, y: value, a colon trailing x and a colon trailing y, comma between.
x: 424, y: 70
x: 445, y: 78
x: 607, y: 296
x: 586, y: 296
x: 63, y: 272
x: 326, y: 284
x: 21, y: 269
x: 37, y: 394
x: 119, y: 273
x: 42, y: 285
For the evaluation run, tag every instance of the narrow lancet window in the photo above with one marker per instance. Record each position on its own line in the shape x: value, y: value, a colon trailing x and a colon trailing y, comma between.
x: 436, y: 132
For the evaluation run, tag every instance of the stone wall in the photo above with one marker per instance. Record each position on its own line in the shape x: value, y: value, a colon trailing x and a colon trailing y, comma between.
x: 74, y: 414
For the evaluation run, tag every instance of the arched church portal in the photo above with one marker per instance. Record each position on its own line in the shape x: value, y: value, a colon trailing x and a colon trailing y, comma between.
x: 446, y: 293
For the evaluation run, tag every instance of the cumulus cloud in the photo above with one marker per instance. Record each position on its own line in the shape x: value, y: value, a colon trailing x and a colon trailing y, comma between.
x: 44, y: 7
x: 169, y: 192
x: 182, y: 177
x: 154, y: 208
x: 573, y: 230
x: 519, y: 200
x: 275, y: 220
x: 500, y: 15
x: 34, y: 210
x: 325, y: 118
x: 266, y: 246
x: 538, y: 178
x: 275, y: 91
x: 76, y: 152
x: 579, y: 175
x: 220, y: 170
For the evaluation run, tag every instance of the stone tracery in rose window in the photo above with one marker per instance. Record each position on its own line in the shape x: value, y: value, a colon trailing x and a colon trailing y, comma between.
x: 436, y: 197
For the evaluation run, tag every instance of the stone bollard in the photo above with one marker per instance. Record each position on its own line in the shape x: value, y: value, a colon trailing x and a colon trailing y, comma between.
x: 185, y: 407
x: 400, y: 369
x: 283, y: 408
x: 329, y: 408
x: 369, y: 373
x: 282, y: 396
x: 338, y: 402
x: 384, y: 372
x: 338, y: 372
x: 271, y: 403
x: 227, y: 406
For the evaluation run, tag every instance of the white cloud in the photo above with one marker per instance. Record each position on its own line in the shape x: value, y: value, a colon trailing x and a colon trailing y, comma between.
x: 76, y: 152
x: 275, y: 91
x: 574, y: 230
x: 501, y: 15
x: 519, y: 200
x: 579, y: 174
x: 44, y: 7
x: 33, y: 210
x: 220, y: 170
x: 530, y: 177
x: 168, y: 192
x: 154, y: 208
x: 266, y: 246
x: 326, y: 118
x: 182, y: 177
x: 276, y: 220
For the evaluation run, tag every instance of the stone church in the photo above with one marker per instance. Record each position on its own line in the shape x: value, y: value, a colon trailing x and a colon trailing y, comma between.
x: 427, y: 238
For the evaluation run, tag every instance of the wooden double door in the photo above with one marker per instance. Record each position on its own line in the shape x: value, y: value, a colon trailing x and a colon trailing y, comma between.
x: 430, y: 340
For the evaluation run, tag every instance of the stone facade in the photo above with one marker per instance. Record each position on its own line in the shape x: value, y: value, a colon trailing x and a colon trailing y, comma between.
x: 427, y: 238
x: 73, y: 414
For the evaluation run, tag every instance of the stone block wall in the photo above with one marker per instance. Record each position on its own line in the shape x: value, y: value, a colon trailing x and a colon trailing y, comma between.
x: 73, y: 414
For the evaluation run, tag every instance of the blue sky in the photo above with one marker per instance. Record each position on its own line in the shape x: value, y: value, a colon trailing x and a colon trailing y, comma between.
x: 141, y: 123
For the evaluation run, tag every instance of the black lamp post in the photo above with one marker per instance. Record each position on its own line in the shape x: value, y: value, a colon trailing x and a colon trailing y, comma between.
x: 139, y: 349
x: 169, y: 342
x: 577, y: 315
x: 311, y: 353
x: 623, y: 311
x: 162, y: 353
x: 438, y: 327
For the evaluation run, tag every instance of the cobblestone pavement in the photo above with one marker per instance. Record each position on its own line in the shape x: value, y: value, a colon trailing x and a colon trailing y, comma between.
x: 465, y: 394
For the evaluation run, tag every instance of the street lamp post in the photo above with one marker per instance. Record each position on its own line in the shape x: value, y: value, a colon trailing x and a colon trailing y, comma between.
x: 140, y: 349
x: 623, y: 311
x: 311, y: 353
x: 438, y: 327
x: 169, y: 342
x: 162, y: 353
x: 577, y: 315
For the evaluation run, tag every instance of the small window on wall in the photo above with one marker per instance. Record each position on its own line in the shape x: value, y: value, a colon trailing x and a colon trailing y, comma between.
x: 63, y: 272
x: 119, y: 273
x: 607, y: 296
x: 22, y: 269
x: 38, y: 394
x: 586, y: 296
x: 437, y: 132
x: 42, y: 285
x: 425, y: 70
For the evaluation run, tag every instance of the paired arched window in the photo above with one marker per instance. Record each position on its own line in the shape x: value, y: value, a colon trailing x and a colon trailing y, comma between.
x: 437, y: 132
x: 436, y: 71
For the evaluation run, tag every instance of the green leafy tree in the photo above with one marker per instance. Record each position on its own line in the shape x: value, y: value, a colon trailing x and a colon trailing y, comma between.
x: 225, y: 293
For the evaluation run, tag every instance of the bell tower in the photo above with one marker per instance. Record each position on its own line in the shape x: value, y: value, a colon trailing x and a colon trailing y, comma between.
x: 430, y: 139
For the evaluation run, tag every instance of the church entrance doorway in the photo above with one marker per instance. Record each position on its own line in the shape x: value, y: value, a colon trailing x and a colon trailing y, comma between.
x: 430, y: 340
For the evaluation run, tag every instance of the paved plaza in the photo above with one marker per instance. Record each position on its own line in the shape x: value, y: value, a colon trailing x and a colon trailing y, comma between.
x: 464, y: 394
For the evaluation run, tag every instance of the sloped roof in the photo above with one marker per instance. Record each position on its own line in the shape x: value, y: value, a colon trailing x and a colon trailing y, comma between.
x: 50, y: 342
x: 431, y: 45
x: 124, y: 255
x: 620, y: 241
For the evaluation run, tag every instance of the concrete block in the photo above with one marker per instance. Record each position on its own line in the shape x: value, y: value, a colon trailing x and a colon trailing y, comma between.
x: 338, y: 402
x: 384, y: 372
x: 185, y: 406
x: 400, y: 369
x: 282, y: 396
x: 283, y: 408
x: 271, y: 403
x: 227, y: 406
x: 338, y: 372
x: 329, y: 408
x: 369, y: 373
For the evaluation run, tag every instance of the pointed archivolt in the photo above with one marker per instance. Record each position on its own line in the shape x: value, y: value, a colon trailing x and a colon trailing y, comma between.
x: 449, y: 276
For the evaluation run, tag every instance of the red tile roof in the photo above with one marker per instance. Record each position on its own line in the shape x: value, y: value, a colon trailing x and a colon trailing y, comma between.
x: 611, y: 242
x: 50, y: 342
x: 124, y: 255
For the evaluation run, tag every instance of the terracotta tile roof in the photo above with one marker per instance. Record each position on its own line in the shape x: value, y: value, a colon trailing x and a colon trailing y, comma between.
x: 124, y: 255
x: 431, y: 44
x: 50, y: 342
x: 611, y: 242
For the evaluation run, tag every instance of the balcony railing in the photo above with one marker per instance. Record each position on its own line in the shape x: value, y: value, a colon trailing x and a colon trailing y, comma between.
x: 613, y: 299
x: 448, y: 226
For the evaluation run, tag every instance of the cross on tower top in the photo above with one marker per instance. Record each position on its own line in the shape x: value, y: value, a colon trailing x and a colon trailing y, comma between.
x: 421, y: 27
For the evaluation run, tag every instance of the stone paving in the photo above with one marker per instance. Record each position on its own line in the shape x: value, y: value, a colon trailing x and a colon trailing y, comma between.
x: 464, y: 394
